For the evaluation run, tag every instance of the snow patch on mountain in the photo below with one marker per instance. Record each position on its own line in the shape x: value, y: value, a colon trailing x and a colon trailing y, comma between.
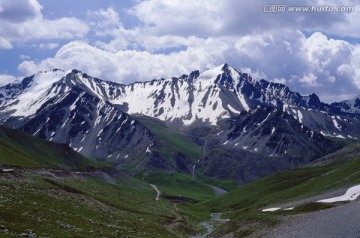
x: 336, y: 123
x: 300, y: 116
x: 210, y: 74
x: 243, y: 102
x: 273, y: 130
x: 187, y: 99
x: 350, y: 195
x: 210, y: 96
x: 31, y: 99
x: 233, y: 109
x: 272, y: 209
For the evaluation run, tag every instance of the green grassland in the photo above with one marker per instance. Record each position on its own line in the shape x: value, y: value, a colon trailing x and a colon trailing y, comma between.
x: 176, y: 185
x: 80, y: 207
x: 22, y: 150
x: 170, y: 142
x: 226, y: 184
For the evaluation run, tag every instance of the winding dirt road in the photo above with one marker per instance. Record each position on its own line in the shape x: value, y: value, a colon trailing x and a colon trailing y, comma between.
x: 158, y: 192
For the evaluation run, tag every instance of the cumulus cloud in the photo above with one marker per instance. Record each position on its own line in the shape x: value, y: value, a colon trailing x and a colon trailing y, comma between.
x: 22, y: 21
x: 309, y: 80
x: 48, y: 46
x: 180, y: 17
x: 24, y: 57
x: 354, y: 69
x: 5, y: 44
x: 128, y: 66
x: 6, y: 79
x: 233, y: 17
x: 176, y: 37
x: 19, y: 10
x: 106, y: 23
x: 306, y: 66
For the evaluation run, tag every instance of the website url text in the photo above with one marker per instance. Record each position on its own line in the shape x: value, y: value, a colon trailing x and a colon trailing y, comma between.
x: 274, y: 8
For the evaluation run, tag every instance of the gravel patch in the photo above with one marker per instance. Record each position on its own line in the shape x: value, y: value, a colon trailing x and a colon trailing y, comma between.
x: 341, y: 221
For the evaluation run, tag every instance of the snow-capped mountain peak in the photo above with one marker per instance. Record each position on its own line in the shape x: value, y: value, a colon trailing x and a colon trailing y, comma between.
x: 212, y: 74
x: 100, y: 119
x: 211, y: 96
x: 348, y: 106
x: 30, y: 93
x: 222, y: 74
x: 198, y: 96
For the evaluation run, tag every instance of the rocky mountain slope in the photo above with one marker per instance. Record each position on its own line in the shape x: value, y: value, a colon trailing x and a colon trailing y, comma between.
x: 65, y: 111
x: 228, y: 110
x: 221, y: 93
x: 348, y: 107
x: 17, y: 149
x: 260, y: 142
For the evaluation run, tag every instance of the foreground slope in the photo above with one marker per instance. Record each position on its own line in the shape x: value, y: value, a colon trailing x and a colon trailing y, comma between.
x: 56, y: 192
x: 279, y: 189
x: 341, y: 221
x: 21, y: 150
x: 52, y: 204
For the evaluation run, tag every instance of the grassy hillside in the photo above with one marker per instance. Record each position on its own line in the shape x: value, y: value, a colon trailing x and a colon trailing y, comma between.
x: 61, y: 203
x: 170, y: 142
x: 81, y: 207
x: 22, y: 150
x: 277, y: 189
x: 178, y: 186
x: 226, y: 184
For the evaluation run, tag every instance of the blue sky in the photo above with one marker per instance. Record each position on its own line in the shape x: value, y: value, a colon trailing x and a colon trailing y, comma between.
x: 134, y: 40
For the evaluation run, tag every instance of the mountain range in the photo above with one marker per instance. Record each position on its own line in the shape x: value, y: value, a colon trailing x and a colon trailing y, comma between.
x: 220, y: 122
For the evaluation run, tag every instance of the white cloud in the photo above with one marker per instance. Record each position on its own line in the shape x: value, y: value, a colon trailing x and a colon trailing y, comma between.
x: 128, y: 66
x: 232, y: 17
x: 24, y: 57
x: 309, y: 80
x: 178, y: 17
x: 279, y: 80
x: 355, y: 65
x: 6, y: 79
x: 48, y: 46
x: 277, y: 54
x: 255, y: 74
x: 19, y: 10
x: 5, y: 44
x: 323, y: 52
x: 63, y: 28
x: 176, y: 37
x: 334, y: 62
x: 316, y: 64
x: 105, y: 22
x: 22, y: 21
